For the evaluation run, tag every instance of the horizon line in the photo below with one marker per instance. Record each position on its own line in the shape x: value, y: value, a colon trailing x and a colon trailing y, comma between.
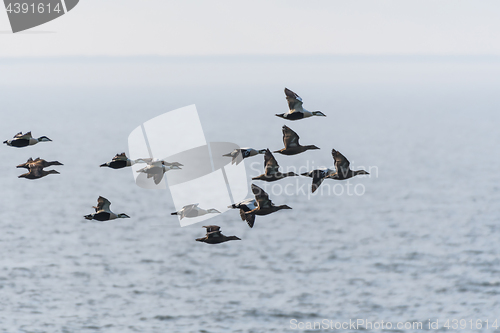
x: 355, y: 57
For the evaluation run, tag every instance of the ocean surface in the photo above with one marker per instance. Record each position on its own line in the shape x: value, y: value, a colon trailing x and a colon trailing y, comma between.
x: 417, y: 242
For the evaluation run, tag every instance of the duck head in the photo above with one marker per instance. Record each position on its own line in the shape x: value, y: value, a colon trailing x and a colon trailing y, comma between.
x: 262, y: 151
x: 43, y: 139
x: 123, y: 216
x: 361, y: 172
x: 281, y: 115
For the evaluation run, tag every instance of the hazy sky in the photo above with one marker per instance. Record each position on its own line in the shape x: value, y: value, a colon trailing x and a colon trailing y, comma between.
x: 161, y: 27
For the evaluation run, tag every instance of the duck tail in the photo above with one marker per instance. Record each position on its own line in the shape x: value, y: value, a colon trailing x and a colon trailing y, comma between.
x: 88, y: 217
x: 103, y: 165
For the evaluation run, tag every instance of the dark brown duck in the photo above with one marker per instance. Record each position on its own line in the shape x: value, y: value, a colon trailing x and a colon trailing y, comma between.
x: 291, y: 142
x: 271, y: 171
x: 214, y: 236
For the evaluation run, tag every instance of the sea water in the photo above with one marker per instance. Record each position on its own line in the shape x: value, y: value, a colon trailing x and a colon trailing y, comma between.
x: 417, y: 242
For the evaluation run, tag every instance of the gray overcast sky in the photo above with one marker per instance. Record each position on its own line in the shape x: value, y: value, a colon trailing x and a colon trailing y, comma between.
x: 192, y: 27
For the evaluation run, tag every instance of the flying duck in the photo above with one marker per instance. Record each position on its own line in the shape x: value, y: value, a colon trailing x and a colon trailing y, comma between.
x: 122, y: 161
x: 103, y: 213
x: 318, y: 176
x: 264, y: 205
x: 38, y: 161
x: 157, y: 168
x: 291, y: 142
x: 342, y: 168
x: 246, y: 206
x: 271, y: 172
x: 296, y: 110
x: 193, y: 211
x: 23, y: 140
x: 244, y: 152
x: 214, y: 236
x: 35, y: 168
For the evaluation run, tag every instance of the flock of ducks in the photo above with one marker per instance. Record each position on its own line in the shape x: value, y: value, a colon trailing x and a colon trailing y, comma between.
x: 35, y: 166
x: 262, y: 205
x: 249, y: 208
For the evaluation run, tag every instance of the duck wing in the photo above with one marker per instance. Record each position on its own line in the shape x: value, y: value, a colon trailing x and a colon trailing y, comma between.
x: 247, y: 205
x: 233, y: 153
x: 250, y: 218
x: 188, y: 208
x: 294, y: 101
x: 143, y: 160
x: 102, y: 204
x: 290, y: 138
x: 242, y: 213
x: 214, y: 234
x: 261, y: 197
x: 36, y: 170
x: 211, y: 228
x: 39, y: 162
x: 171, y: 164
x: 26, y: 165
x: 316, y: 183
x: 271, y: 165
x: 120, y: 157
x: 341, y: 163
x: 26, y: 136
x: 157, y: 177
